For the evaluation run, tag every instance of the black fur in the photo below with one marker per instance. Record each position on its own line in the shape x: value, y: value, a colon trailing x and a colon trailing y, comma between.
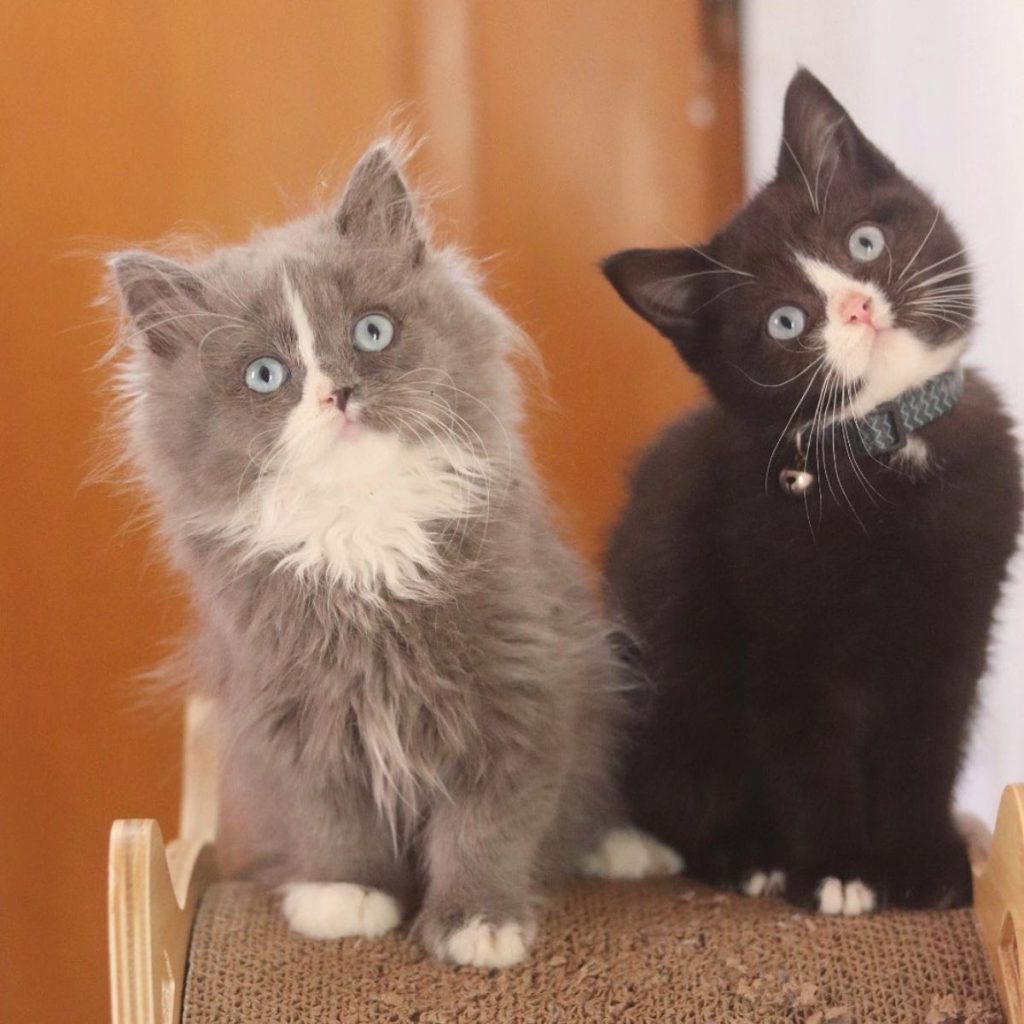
x: 815, y: 663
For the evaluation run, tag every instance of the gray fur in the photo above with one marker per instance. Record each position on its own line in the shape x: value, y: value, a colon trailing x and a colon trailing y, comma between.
x: 452, y: 748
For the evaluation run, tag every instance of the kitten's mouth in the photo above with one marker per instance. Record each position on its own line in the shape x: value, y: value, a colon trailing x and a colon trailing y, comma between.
x: 348, y: 427
x: 347, y: 424
x: 874, y: 330
x: 880, y: 335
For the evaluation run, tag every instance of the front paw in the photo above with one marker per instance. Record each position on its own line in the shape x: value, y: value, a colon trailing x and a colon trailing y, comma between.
x: 629, y: 853
x: 764, y: 883
x: 478, y: 942
x: 339, y: 910
x: 831, y: 895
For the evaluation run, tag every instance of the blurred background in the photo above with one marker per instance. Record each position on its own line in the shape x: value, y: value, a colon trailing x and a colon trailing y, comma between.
x: 553, y: 133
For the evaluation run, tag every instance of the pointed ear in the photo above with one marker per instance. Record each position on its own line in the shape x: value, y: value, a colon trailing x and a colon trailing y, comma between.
x: 376, y: 205
x: 161, y: 296
x: 819, y: 137
x: 659, y: 285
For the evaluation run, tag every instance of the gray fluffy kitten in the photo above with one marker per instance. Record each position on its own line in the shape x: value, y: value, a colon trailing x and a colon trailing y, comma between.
x: 419, y: 703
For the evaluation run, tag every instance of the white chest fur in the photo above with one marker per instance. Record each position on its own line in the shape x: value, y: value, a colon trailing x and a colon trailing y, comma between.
x: 359, y: 512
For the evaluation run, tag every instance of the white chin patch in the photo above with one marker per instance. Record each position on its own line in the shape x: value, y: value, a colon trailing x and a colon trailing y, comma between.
x: 878, y: 365
x: 363, y: 509
x: 481, y: 944
x: 851, y: 899
x: 630, y: 853
x: 338, y: 910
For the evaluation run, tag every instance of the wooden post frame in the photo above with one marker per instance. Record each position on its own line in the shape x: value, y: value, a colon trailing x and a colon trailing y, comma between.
x: 154, y: 891
x: 999, y: 903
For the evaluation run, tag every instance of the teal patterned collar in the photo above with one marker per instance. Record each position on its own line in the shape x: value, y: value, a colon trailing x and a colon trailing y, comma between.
x: 888, y: 426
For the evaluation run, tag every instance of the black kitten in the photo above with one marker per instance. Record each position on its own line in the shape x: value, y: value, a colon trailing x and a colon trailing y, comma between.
x: 811, y: 561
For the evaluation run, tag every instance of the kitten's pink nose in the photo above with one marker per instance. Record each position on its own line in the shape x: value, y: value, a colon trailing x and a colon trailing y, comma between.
x: 855, y: 308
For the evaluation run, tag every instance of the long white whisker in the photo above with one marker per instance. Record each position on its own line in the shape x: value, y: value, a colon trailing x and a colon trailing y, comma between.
x: 452, y: 529
x: 938, y: 316
x: 946, y: 275
x: 869, y: 489
x: 818, y: 431
x: 781, y: 384
x: 718, y: 263
x: 937, y: 263
x: 834, y: 413
x: 924, y: 242
x: 789, y: 422
x: 943, y: 302
x: 450, y: 385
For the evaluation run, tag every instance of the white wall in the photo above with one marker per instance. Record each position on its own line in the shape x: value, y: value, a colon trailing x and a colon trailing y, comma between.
x: 939, y: 86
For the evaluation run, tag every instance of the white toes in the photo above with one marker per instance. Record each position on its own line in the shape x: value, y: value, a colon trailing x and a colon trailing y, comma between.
x: 480, y: 944
x: 858, y: 899
x: 765, y: 883
x: 756, y: 883
x: 849, y: 899
x: 629, y: 853
x: 338, y: 910
x: 830, y: 896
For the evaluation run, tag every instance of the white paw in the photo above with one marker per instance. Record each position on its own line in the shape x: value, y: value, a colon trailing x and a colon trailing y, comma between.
x: 338, y: 910
x: 629, y: 853
x: 480, y: 944
x: 765, y: 883
x: 847, y: 898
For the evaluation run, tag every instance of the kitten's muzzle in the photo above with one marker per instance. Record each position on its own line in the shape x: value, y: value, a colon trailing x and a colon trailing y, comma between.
x: 341, y: 397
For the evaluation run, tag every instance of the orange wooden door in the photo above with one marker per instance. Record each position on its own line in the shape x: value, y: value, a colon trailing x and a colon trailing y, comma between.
x: 556, y: 132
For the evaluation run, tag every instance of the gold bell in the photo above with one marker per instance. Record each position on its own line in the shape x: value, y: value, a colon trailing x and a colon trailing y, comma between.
x: 796, y: 482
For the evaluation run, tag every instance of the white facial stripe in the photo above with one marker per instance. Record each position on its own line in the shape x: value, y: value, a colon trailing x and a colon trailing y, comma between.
x: 300, y: 321
x: 316, y: 386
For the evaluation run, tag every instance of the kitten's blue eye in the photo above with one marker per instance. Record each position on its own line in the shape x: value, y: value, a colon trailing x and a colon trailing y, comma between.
x: 786, y: 323
x: 265, y: 375
x: 866, y: 243
x: 373, y: 332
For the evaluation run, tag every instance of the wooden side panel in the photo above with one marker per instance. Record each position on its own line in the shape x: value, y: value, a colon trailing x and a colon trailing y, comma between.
x: 554, y: 132
x: 999, y: 902
x: 152, y: 900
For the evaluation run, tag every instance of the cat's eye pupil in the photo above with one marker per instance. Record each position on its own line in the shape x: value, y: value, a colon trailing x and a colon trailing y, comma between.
x: 866, y: 243
x: 373, y: 332
x: 265, y: 375
x: 786, y: 323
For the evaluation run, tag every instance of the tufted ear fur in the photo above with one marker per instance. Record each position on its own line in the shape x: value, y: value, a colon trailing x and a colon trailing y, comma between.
x: 819, y: 137
x: 162, y: 297
x: 377, y: 206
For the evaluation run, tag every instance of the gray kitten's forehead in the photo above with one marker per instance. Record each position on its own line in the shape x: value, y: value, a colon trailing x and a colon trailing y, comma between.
x: 334, y: 284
